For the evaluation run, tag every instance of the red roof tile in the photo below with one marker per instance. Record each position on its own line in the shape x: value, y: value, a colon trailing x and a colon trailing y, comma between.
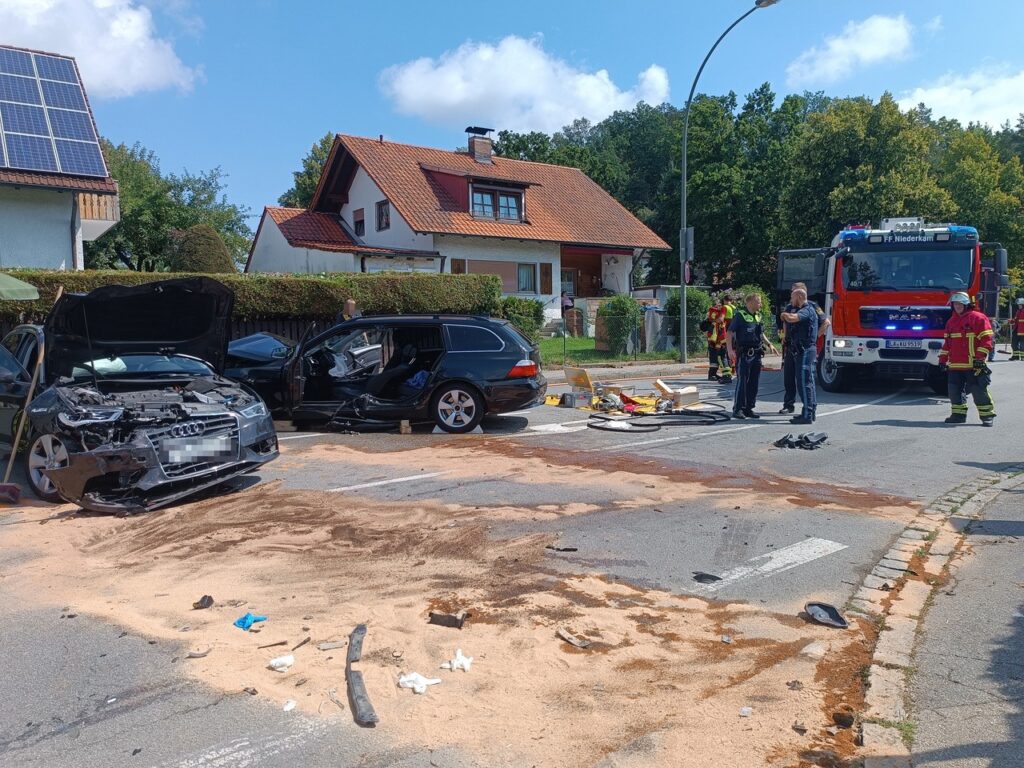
x: 562, y: 204
x: 323, y: 232
x: 58, y: 181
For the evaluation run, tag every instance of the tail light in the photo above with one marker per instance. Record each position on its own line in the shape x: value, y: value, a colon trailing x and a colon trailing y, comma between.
x: 524, y: 369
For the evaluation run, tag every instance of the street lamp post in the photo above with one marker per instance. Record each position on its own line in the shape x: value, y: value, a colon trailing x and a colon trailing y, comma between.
x: 684, y: 254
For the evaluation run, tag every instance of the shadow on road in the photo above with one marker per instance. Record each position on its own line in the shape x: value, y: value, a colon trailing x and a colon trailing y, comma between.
x: 986, y: 527
x: 992, y: 466
x: 903, y: 423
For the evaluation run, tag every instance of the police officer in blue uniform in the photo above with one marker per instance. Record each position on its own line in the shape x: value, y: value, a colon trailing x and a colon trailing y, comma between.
x: 747, y: 342
x: 802, y: 338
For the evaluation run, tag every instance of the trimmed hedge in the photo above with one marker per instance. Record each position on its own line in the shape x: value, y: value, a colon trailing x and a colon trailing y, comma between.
x: 525, y: 314
x: 264, y: 296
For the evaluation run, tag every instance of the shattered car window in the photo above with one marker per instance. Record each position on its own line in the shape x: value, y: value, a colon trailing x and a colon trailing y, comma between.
x: 148, y: 364
x: 358, y: 351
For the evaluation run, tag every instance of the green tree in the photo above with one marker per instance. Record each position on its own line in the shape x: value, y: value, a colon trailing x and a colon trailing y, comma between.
x: 307, y: 177
x: 199, y: 248
x: 200, y: 199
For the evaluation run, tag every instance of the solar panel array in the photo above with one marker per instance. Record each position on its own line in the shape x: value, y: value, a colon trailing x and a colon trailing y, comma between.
x: 45, y: 124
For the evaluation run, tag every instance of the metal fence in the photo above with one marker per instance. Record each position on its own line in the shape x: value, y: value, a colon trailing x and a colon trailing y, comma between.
x: 651, y: 334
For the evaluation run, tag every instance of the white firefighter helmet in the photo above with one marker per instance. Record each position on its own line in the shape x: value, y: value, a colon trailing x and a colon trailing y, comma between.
x: 960, y: 298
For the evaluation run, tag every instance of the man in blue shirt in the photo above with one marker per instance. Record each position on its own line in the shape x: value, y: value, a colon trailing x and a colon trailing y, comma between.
x: 789, y: 365
x: 746, y: 343
x: 801, y: 339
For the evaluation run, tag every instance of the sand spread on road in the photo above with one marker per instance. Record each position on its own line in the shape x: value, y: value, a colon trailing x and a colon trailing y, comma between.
x: 658, y: 686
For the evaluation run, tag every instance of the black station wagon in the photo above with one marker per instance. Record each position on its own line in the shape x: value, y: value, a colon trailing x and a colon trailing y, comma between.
x: 449, y: 369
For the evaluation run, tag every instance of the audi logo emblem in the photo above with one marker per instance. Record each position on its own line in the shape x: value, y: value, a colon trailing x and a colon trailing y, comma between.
x: 188, y: 429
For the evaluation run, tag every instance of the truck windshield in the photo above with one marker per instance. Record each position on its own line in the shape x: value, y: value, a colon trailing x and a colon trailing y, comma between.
x: 897, y: 270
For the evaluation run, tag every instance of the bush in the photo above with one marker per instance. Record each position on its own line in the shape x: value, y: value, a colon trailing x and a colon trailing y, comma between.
x: 767, y: 311
x: 267, y: 296
x: 622, y: 316
x: 525, y: 314
x: 200, y: 249
x: 697, y: 304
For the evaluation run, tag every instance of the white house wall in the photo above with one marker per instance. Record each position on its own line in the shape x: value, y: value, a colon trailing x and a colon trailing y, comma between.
x: 512, y: 251
x: 272, y: 253
x: 36, y: 228
x: 615, y: 272
x: 365, y: 194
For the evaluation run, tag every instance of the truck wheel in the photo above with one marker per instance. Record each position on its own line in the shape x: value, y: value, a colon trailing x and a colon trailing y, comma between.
x: 831, y: 375
x: 938, y: 380
x: 45, y: 452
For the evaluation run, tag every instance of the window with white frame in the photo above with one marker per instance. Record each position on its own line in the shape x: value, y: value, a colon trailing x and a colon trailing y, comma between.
x: 527, y: 278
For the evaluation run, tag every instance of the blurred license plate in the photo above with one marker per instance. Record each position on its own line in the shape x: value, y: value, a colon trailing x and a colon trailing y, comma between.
x: 903, y: 343
x: 186, y: 450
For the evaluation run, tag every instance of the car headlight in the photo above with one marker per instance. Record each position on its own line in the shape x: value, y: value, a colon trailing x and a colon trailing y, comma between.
x: 256, y: 411
x: 85, y: 417
x: 841, y: 343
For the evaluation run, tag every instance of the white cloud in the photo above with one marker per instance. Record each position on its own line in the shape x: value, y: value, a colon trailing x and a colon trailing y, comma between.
x: 115, y: 42
x: 514, y: 85
x: 934, y: 26
x: 860, y: 44
x: 988, y: 95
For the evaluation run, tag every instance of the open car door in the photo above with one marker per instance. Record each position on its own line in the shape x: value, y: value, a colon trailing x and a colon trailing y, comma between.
x: 294, y: 373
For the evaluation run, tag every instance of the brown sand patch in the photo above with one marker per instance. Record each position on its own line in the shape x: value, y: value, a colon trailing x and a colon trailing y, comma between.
x: 647, y: 689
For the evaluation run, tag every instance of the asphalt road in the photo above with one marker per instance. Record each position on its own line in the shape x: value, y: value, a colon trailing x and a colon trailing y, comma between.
x: 969, y: 680
x: 883, y: 439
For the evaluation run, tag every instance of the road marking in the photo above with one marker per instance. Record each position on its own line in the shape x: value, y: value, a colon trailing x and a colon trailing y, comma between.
x: 780, y: 560
x: 248, y: 751
x: 303, y: 435
x: 409, y: 479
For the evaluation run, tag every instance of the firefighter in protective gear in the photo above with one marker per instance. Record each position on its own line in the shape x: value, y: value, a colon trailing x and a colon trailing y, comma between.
x: 1017, y: 330
x: 719, y: 368
x: 965, y: 350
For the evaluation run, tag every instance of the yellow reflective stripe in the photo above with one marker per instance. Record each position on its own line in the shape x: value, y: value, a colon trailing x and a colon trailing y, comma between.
x: 970, y: 345
x: 954, y: 335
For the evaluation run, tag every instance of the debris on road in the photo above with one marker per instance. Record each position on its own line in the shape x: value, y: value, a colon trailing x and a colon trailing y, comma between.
x: 795, y: 685
x: 844, y: 719
x: 288, y: 705
x: 808, y: 441
x: 362, y: 709
x: 453, y: 620
x: 727, y: 639
x: 250, y: 690
x: 553, y: 548
x: 705, y: 578
x: 246, y: 621
x: 459, y: 662
x: 281, y: 663
x: 800, y: 728
x: 272, y: 645
x: 571, y: 639
x: 308, y: 638
x: 331, y: 645
x: 829, y: 615
x: 203, y: 602
x: 198, y: 654
x: 332, y: 694
x: 746, y: 711
x: 417, y: 682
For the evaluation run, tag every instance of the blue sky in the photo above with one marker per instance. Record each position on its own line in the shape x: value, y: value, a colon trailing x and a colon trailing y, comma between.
x: 250, y: 85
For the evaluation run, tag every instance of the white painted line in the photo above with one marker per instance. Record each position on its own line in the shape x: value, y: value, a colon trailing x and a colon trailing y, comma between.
x: 254, y: 750
x: 784, y: 559
x: 303, y: 435
x: 423, y: 476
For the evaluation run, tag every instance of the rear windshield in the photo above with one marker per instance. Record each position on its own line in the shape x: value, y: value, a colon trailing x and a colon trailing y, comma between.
x: 518, y: 336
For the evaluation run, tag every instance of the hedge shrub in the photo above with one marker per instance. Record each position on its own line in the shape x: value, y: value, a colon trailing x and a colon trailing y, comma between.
x: 525, y: 314
x: 698, y: 302
x: 266, y: 296
x: 621, y: 315
x: 200, y: 249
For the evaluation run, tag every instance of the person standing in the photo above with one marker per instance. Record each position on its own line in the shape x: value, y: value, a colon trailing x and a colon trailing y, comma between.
x: 789, y: 362
x: 719, y: 368
x: 1017, y: 330
x: 567, y: 302
x: 802, y: 339
x: 965, y: 348
x: 746, y: 344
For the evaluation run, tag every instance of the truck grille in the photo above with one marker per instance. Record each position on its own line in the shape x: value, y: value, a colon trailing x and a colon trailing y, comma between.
x: 904, y: 318
x: 217, y: 426
x: 903, y: 354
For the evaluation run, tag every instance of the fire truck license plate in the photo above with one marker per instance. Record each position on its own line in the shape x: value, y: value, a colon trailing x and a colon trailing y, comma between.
x: 903, y: 343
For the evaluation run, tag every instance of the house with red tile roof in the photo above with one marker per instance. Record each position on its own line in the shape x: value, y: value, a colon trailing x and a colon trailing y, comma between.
x: 55, y: 190
x: 382, y: 206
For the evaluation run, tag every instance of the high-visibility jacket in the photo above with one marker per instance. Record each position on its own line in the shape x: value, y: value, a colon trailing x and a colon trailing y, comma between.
x: 1019, y: 321
x: 719, y: 325
x: 968, y: 338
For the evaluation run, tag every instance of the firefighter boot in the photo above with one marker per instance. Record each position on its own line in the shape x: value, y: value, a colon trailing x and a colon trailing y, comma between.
x: 988, y: 421
x: 713, y: 374
x: 956, y: 418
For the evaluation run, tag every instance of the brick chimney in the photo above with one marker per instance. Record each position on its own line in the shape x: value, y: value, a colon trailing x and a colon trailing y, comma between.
x: 480, y: 148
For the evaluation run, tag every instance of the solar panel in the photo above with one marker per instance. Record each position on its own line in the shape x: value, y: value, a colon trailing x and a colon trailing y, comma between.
x: 44, y: 119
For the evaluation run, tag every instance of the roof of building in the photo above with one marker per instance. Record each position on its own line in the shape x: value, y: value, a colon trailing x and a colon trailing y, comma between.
x: 562, y: 204
x: 324, y: 232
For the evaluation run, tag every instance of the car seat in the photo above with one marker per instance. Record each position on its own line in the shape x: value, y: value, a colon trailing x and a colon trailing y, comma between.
x: 398, y: 369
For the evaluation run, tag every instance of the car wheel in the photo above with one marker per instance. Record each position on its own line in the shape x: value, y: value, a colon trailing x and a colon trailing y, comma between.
x: 45, y: 452
x: 457, y: 408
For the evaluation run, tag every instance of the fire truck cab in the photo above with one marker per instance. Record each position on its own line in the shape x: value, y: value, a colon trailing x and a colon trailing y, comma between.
x: 887, y: 290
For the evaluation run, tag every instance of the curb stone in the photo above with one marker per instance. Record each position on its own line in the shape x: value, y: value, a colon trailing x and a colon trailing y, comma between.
x: 901, y: 608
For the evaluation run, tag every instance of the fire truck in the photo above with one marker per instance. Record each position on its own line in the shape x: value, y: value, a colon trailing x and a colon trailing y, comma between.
x: 887, y: 292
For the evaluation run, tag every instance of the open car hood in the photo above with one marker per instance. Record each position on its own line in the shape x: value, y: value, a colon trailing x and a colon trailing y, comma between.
x: 186, y: 316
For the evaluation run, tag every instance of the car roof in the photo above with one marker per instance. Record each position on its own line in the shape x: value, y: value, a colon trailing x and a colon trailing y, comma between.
x: 422, y: 318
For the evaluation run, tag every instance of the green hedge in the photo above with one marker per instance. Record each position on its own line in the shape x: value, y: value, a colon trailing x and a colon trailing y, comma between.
x: 277, y: 296
x: 525, y: 314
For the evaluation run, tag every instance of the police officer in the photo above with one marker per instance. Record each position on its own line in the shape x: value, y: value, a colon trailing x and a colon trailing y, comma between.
x: 802, y: 338
x: 789, y: 361
x: 746, y: 342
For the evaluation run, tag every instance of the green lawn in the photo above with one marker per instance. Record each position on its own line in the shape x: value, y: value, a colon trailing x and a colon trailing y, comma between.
x: 581, y: 350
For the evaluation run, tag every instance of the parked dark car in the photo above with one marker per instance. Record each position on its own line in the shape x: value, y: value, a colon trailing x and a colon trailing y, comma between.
x: 134, y: 414
x: 257, y: 360
x: 448, y: 369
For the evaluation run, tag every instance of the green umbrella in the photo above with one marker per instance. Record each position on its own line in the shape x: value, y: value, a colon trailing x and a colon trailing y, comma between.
x: 13, y: 289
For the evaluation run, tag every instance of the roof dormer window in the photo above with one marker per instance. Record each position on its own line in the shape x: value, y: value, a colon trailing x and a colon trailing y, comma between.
x: 500, y: 204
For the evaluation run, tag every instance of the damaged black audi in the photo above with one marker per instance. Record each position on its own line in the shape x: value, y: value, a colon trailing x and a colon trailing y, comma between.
x: 137, y: 415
